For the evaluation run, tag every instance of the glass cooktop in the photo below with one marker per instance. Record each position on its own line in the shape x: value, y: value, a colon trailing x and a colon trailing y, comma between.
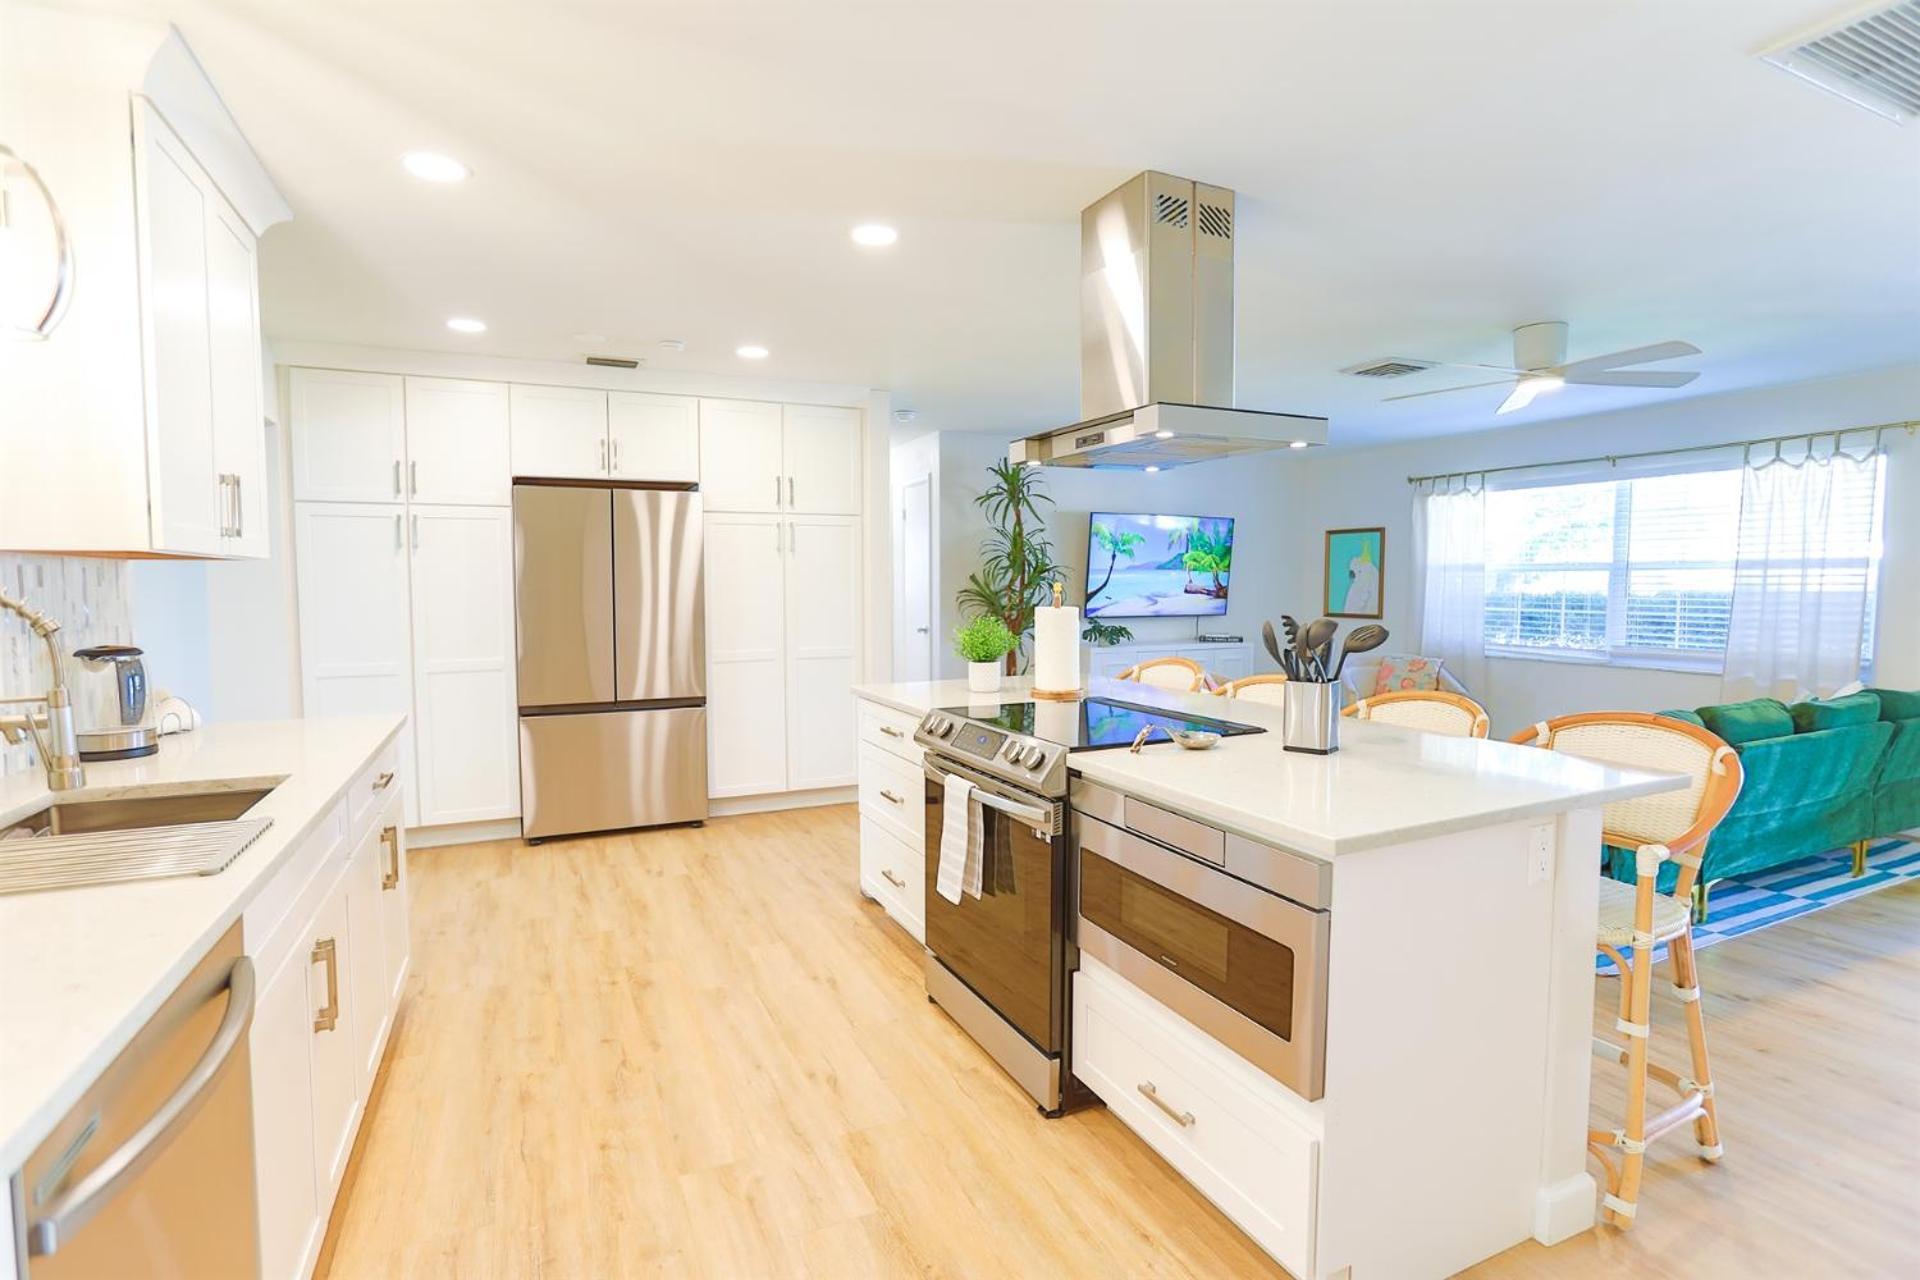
x: 1093, y: 724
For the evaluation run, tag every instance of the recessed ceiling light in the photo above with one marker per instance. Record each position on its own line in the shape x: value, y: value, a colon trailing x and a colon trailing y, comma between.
x: 1151, y: 470
x: 1163, y: 435
x: 431, y: 166
x: 673, y: 344
x: 751, y: 352
x: 875, y: 235
x: 1297, y: 444
x: 467, y: 324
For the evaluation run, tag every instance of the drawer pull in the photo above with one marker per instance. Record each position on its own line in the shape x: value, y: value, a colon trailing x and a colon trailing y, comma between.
x: 327, y: 952
x: 893, y: 879
x: 891, y: 732
x: 384, y: 781
x: 1170, y: 962
x: 390, y: 878
x: 889, y: 797
x: 1182, y: 1118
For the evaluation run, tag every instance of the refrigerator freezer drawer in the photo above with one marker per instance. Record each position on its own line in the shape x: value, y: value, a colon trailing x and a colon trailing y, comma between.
x: 605, y: 770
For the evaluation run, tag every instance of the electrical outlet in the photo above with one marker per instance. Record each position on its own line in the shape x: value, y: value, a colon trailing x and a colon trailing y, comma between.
x: 1540, y: 853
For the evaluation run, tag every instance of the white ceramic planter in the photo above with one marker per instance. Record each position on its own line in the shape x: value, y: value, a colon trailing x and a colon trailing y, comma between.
x: 983, y: 677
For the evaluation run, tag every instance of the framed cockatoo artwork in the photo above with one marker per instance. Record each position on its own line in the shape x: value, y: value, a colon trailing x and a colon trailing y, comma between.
x: 1356, y: 572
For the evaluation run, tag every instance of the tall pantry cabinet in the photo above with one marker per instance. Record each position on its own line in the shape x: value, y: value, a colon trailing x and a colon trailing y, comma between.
x: 403, y: 537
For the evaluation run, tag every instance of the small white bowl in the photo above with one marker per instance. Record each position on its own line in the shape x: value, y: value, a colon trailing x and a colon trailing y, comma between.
x: 1195, y: 739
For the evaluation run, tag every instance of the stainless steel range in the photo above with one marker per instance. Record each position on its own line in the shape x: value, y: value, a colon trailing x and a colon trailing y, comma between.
x: 998, y: 963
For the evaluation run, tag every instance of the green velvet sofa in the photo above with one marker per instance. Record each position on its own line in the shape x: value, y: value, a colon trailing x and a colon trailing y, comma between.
x: 1824, y: 774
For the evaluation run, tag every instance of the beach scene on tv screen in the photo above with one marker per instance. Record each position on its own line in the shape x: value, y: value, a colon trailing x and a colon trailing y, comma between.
x: 1143, y: 566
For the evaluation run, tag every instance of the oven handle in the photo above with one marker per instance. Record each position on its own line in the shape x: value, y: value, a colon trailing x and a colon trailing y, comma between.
x: 1032, y: 815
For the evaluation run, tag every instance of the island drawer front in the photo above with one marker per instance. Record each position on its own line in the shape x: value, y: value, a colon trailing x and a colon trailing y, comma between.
x: 891, y: 793
x: 269, y: 921
x: 890, y: 730
x: 1222, y: 1129
x: 371, y: 789
x: 895, y: 873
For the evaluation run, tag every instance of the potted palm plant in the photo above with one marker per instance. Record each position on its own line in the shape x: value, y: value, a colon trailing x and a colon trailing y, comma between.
x: 983, y: 641
x: 1017, y: 568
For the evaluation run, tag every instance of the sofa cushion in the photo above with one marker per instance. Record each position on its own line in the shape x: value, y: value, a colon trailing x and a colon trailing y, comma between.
x: 1835, y: 713
x: 1750, y: 721
x: 1690, y: 717
x: 1898, y: 704
x: 1395, y: 674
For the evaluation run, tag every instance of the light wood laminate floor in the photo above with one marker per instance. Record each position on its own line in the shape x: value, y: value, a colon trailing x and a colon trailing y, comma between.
x: 702, y: 1053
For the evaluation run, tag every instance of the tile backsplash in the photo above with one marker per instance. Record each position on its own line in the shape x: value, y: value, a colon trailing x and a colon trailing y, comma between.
x: 90, y: 600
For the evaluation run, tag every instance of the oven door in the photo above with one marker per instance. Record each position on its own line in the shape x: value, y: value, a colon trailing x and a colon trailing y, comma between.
x: 1244, y: 965
x: 1009, y: 944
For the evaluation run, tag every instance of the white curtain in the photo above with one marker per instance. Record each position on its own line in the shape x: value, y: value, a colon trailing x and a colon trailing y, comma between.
x: 1804, y: 577
x: 1449, y: 544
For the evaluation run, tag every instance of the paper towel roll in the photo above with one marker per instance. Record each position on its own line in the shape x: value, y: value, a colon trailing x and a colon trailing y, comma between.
x: 1056, y: 648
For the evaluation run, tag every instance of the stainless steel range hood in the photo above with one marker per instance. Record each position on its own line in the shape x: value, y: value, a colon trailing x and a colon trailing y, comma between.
x: 1156, y: 338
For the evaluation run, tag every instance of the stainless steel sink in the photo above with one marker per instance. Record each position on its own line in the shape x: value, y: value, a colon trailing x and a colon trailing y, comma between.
x: 162, y: 809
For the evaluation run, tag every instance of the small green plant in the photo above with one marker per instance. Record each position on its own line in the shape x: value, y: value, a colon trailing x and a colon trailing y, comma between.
x: 983, y: 639
x: 1105, y: 633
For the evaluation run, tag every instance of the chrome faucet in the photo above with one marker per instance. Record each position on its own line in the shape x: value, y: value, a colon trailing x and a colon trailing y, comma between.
x: 52, y: 732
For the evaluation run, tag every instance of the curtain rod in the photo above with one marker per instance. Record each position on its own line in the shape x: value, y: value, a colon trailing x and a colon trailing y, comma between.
x: 1612, y: 458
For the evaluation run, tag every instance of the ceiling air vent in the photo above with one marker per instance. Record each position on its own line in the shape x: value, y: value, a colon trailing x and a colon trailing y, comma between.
x: 1388, y: 368
x: 613, y: 362
x: 1871, y: 59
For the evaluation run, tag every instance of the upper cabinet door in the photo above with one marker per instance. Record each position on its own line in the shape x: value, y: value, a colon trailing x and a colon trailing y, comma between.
x: 239, y: 422
x: 822, y: 455
x: 457, y: 442
x: 185, y: 500
x: 740, y: 456
x: 653, y: 437
x: 349, y: 436
x: 559, y: 432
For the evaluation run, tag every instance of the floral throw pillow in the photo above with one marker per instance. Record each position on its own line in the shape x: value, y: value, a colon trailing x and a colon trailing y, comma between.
x: 1395, y: 675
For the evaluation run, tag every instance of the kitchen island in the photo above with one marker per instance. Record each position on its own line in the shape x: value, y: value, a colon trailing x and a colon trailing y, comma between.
x: 1458, y: 884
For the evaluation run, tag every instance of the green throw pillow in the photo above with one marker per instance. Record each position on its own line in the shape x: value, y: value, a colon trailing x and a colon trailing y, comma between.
x: 1691, y: 717
x: 1898, y: 704
x: 1749, y: 721
x: 1836, y: 713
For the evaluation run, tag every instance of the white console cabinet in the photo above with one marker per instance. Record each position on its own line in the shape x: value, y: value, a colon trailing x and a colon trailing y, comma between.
x: 1226, y: 660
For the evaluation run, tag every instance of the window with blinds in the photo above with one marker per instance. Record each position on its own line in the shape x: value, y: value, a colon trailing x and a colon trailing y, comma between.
x: 1637, y: 571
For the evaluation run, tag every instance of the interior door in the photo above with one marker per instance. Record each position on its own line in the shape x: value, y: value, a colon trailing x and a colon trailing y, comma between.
x: 740, y: 467
x: 239, y: 425
x: 746, y: 648
x: 349, y: 436
x: 916, y: 580
x: 821, y: 454
x: 186, y: 498
x: 563, y: 586
x: 457, y: 435
x: 653, y: 437
x: 822, y: 651
x: 559, y: 431
x: 659, y: 609
x: 463, y: 663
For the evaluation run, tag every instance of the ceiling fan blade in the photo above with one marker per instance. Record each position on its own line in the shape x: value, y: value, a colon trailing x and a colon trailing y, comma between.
x: 1634, y: 355
x: 1525, y: 392
x: 1647, y: 378
x: 1441, y: 391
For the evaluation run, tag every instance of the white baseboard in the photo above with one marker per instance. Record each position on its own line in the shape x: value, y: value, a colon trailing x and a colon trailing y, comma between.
x: 1564, y: 1209
x: 463, y: 833
x: 726, y: 806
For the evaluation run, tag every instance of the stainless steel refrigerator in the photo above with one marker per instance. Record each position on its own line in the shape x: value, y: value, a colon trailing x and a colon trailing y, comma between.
x: 611, y: 636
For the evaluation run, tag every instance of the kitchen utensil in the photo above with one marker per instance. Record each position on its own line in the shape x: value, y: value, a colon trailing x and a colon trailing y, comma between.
x: 1359, y: 640
x: 1140, y: 738
x: 1194, y: 739
x: 1273, y: 645
x: 1318, y: 634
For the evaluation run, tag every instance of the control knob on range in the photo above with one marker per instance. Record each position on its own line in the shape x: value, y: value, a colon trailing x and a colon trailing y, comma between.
x: 1033, y: 757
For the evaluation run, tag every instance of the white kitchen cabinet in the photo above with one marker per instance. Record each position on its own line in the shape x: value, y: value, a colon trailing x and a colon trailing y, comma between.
x: 235, y: 378
x: 349, y: 436
x: 355, y: 635
x: 741, y: 466
x: 466, y: 732
x: 559, y: 432
x: 746, y: 654
x: 279, y: 1056
x: 820, y: 447
x: 822, y: 649
x: 395, y: 889
x: 893, y: 815
x: 653, y: 437
x: 371, y: 1010
x: 337, y: 1090
x: 457, y: 442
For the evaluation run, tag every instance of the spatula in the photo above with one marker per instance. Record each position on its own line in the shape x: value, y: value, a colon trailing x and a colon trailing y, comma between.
x: 1359, y: 640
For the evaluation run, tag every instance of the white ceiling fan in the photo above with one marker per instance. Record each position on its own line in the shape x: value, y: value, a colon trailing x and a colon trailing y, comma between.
x: 1540, y: 365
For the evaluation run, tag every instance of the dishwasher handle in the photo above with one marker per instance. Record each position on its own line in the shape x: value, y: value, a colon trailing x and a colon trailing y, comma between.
x: 77, y: 1205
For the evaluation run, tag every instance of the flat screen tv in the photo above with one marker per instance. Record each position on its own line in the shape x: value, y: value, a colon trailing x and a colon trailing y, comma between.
x: 1153, y: 566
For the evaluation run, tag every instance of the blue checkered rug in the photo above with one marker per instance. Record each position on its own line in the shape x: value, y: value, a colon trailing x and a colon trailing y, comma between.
x: 1746, y: 903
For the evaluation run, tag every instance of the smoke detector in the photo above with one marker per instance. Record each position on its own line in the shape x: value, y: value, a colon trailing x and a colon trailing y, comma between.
x: 1870, y: 58
x: 1389, y: 367
x: 905, y: 415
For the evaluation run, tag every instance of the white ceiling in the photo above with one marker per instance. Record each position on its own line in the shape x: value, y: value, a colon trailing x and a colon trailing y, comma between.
x: 1413, y: 179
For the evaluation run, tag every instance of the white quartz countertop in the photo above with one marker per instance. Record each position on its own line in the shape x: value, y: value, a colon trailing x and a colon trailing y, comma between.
x: 81, y: 970
x: 1384, y: 786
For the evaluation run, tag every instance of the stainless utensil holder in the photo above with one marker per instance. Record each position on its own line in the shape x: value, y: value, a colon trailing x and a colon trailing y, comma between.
x: 1311, y: 716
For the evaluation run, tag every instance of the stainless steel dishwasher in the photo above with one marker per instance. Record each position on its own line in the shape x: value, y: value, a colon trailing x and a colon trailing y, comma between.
x: 151, y: 1172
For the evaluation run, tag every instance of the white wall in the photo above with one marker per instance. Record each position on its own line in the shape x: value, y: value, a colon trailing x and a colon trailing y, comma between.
x: 1369, y: 487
